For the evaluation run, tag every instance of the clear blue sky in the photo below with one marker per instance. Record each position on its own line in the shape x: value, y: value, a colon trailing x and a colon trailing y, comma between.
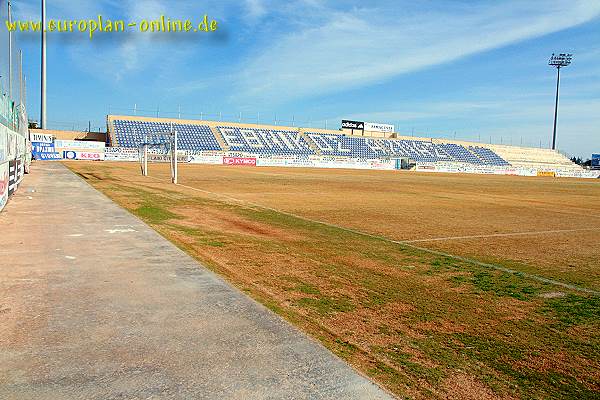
x: 474, y: 69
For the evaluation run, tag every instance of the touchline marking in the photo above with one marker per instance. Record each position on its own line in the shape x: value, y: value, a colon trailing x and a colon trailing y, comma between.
x: 385, y: 239
x: 500, y: 235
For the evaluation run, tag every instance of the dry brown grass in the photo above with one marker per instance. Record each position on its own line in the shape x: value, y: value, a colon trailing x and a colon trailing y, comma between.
x: 411, y: 206
x: 422, y: 325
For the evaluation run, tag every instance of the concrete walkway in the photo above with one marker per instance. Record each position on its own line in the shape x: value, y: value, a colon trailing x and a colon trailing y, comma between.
x: 96, y: 305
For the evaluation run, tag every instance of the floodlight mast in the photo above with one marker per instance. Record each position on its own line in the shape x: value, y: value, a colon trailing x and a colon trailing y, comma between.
x: 43, y: 119
x: 558, y: 61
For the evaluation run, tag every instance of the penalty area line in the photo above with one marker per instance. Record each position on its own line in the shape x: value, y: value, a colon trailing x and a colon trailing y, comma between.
x: 402, y: 243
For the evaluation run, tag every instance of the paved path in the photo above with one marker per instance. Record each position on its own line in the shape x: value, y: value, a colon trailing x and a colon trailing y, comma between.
x: 96, y: 305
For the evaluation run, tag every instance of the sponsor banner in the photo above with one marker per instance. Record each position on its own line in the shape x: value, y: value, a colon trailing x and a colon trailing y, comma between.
x: 579, y: 174
x: 205, y: 159
x: 45, y: 151
x: 41, y: 146
x: 546, y: 173
x: 239, y: 161
x: 121, y: 154
x: 3, y: 184
x: 48, y: 156
x: 596, y: 160
x: 82, y: 155
x: 354, y: 125
x: 375, y: 127
x: 166, y: 158
x: 41, y: 138
x: 210, y: 153
x: 79, y: 145
x: 326, y: 162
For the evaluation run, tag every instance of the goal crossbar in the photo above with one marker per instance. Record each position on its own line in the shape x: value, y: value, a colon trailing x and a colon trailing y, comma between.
x: 162, y: 140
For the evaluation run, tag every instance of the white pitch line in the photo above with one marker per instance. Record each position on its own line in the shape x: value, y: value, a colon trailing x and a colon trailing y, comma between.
x: 423, y: 249
x: 500, y: 235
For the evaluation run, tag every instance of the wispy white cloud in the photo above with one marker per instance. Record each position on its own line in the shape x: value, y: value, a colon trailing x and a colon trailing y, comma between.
x: 256, y: 8
x: 354, y: 48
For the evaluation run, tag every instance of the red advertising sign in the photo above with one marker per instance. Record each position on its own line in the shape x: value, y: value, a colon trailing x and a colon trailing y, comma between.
x: 239, y: 161
x: 82, y: 155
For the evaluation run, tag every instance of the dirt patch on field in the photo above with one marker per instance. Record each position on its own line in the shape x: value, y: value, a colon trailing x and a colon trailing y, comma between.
x: 213, y: 219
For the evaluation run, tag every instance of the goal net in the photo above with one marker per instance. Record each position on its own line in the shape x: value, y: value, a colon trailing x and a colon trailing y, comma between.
x: 159, y: 147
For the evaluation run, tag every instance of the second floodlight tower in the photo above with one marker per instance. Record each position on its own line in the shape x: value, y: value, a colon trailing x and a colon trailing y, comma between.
x: 558, y: 61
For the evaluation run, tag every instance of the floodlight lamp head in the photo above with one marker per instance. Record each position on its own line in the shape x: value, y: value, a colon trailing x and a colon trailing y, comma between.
x: 560, y: 60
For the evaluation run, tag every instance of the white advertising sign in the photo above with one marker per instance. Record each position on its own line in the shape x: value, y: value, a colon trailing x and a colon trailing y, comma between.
x: 41, y: 138
x: 375, y: 127
x: 83, y: 155
x: 121, y: 154
x: 79, y: 144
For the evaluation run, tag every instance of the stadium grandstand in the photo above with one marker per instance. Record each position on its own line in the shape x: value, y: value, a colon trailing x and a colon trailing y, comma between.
x: 330, y: 148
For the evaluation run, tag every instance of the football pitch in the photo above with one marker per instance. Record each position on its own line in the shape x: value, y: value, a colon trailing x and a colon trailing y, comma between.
x: 434, y: 285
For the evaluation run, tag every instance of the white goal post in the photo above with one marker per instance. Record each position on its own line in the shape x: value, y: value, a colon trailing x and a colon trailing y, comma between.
x: 160, y: 147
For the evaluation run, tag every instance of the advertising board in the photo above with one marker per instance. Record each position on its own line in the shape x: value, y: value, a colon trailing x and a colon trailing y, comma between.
x: 3, y: 184
x: 546, y: 173
x: 41, y: 138
x: 375, y: 127
x: 354, y: 125
x: 121, y: 154
x: 79, y: 145
x: 44, y: 151
x: 82, y: 155
x: 239, y: 161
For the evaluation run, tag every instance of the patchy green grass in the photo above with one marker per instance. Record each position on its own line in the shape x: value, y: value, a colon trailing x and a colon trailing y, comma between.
x: 344, y: 349
x: 326, y: 305
x: 154, y: 214
x: 405, y: 361
x: 307, y: 288
x: 505, y: 284
x: 574, y: 310
x: 503, y: 357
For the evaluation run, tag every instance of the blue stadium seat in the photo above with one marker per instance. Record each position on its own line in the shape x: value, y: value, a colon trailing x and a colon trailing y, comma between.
x: 488, y: 156
x: 190, y: 137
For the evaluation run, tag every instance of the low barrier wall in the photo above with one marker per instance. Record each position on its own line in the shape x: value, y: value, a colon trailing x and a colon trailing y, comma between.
x: 13, y: 161
x: 238, y: 158
x: 509, y: 170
